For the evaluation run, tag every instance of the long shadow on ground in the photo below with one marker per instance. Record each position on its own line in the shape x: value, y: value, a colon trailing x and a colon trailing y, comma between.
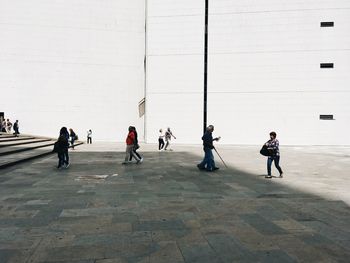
x: 164, y: 210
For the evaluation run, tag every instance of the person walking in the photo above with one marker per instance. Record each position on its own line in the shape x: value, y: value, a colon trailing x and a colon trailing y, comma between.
x: 61, y: 147
x: 168, y: 135
x: 208, y: 163
x: 130, y: 141
x: 16, y: 128
x: 273, y: 147
x: 89, y: 137
x: 1, y: 124
x: 73, y: 137
x: 161, y: 140
x: 8, y: 126
x: 136, y: 147
x: 4, y: 125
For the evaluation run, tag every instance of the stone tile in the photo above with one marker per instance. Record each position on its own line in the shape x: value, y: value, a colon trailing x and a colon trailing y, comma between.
x: 262, y: 225
x: 274, y: 256
x: 167, y: 252
x: 199, y: 253
x: 158, y: 225
x: 229, y: 249
x: 168, y: 211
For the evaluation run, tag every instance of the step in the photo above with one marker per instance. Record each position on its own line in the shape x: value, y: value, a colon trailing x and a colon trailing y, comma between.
x: 12, y: 139
x: 25, y: 147
x: 7, y: 135
x: 20, y: 157
x: 29, y: 141
x: 13, y: 159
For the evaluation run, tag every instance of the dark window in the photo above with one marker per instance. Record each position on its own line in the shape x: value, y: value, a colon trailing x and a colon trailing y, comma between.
x: 327, y: 65
x: 327, y: 24
x: 326, y: 117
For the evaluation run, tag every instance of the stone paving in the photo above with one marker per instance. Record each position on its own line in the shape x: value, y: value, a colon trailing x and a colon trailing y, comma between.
x: 165, y: 210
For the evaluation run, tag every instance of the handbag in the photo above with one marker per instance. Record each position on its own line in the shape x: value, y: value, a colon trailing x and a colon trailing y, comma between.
x: 265, y: 151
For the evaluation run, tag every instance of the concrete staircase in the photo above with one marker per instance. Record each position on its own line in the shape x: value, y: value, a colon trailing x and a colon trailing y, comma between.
x: 15, y: 150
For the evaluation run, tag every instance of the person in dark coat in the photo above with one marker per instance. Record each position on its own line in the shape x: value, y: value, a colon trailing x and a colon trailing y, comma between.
x: 61, y: 147
x: 208, y: 163
x: 16, y: 128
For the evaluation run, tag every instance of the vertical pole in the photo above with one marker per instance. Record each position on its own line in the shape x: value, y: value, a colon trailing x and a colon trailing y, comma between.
x: 205, y: 65
x: 145, y: 73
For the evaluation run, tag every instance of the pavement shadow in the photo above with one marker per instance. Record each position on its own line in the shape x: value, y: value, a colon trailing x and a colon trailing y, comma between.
x: 163, y: 210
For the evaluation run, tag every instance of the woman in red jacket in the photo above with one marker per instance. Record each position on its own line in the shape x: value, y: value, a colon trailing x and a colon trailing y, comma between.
x: 130, y: 142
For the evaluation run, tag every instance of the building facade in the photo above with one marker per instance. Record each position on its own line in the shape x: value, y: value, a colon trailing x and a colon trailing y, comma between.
x: 74, y: 63
x: 272, y: 65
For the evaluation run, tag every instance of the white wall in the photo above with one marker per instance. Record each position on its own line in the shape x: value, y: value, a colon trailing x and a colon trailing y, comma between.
x: 175, y: 69
x: 264, y: 69
x: 78, y: 63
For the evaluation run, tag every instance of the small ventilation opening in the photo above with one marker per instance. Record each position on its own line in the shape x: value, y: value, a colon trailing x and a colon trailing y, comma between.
x: 326, y: 65
x: 326, y: 117
x: 327, y: 24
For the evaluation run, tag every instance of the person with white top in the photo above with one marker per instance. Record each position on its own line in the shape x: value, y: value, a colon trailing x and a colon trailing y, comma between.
x: 161, y: 140
x: 89, y: 137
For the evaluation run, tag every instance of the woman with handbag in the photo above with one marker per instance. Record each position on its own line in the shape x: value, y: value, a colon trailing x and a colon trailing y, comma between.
x: 274, y: 155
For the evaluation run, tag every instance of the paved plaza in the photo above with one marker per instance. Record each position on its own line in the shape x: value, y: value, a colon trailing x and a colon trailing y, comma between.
x: 166, y: 210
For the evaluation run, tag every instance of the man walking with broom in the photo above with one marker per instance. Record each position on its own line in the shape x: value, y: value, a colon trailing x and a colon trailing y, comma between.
x: 208, y: 163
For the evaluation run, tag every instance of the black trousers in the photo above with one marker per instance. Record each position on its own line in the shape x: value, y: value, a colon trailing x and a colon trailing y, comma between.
x: 16, y: 131
x: 136, y: 153
x: 161, y: 144
x: 89, y: 140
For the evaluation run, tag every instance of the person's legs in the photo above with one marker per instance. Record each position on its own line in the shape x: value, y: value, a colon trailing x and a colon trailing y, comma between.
x: 134, y: 153
x: 128, y: 153
x: 137, y: 154
x: 277, y: 165
x: 269, y: 163
x: 60, y: 159
x: 66, y: 157
x: 166, y: 144
x: 204, y: 164
x: 159, y: 144
x: 72, y: 143
x: 211, y: 163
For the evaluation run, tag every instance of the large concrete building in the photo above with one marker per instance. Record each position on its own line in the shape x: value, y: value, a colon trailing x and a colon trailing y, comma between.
x: 273, y: 65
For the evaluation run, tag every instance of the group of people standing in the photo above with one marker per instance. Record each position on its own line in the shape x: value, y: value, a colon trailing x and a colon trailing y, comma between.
x: 167, y: 135
x: 6, y: 126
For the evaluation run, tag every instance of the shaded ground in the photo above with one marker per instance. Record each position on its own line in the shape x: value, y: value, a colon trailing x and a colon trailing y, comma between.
x: 164, y: 210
